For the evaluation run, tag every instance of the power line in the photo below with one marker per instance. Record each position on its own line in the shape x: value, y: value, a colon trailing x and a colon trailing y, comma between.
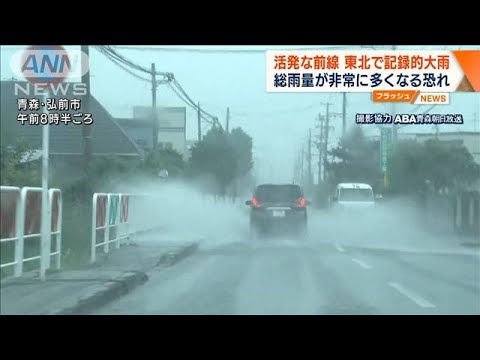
x: 187, y: 100
x: 191, y: 105
x: 219, y: 51
x: 120, y: 64
x: 169, y: 78
x: 108, y: 50
x: 182, y: 91
x: 111, y: 54
x: 126, y: 69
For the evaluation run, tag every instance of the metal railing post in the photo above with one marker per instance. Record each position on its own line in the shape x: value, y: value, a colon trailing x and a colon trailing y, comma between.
x: 19, y: 232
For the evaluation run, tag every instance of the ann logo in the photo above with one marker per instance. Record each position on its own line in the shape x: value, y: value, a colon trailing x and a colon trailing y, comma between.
x: 47, y: 65
x: 50, y: 64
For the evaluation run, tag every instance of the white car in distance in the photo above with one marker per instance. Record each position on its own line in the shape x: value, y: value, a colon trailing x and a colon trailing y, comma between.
x: 353, y: 196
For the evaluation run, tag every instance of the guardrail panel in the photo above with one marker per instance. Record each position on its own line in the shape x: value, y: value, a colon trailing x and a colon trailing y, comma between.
x: 21, y: 220
x: 114, y: 219
x: 11, y: 225
x: 56, y: 205
x: 113, y: 215
x: 99, y: 216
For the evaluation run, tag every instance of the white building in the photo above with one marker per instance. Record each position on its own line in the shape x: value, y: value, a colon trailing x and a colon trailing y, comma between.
x: 171, y: 126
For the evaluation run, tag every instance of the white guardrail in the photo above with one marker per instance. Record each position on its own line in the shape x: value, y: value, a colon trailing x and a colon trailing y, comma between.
x: 109, y: 215
x: 20, y: 218
x: 117, y: 217
x: 112, y: 223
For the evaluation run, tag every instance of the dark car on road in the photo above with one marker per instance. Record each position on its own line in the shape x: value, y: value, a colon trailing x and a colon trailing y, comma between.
x: 281, y: 208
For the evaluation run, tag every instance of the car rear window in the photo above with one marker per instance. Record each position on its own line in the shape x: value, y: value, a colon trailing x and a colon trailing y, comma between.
x: 356, y: 195
x: 273, y: 193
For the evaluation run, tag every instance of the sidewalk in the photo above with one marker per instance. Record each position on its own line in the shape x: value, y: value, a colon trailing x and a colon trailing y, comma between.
x: 388, y: 231
x: 80, y: 291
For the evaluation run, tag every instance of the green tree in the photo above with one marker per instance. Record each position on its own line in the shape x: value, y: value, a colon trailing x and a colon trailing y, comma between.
x: 168, y: 159
x: 355, y: 159
x: 443, y: 164
x: 406, y: 173
x: 105, y: 166
x: 242, y: 144
x: 18, y: 166
x: 215, y: 156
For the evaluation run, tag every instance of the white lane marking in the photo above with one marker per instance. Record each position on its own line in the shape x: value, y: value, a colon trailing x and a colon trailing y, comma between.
x: 339, y: 248
x: 417, y: 299
x: 362, y: 263
x: 309, y: 293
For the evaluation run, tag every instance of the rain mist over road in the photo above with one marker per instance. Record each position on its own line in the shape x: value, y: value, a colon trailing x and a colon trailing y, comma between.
x: 373, y: 263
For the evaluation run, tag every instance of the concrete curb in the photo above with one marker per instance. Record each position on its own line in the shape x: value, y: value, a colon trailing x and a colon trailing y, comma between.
x: 121, y: 285
x: 105, y: 293
x: 173, y: 257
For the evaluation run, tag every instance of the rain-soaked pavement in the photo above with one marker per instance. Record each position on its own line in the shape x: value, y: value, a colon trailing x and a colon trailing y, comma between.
x: 349, y: 265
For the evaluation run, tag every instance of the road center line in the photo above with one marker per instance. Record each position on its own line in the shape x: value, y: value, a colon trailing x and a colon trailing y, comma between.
x: 417, y: 299
x: 339, y: 248
x: 361, y: 263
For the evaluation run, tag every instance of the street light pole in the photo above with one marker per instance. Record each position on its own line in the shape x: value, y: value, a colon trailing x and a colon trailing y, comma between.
x: 45, y: 214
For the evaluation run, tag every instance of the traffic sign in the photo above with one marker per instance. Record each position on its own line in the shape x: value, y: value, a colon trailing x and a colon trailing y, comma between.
x: 385, y: 148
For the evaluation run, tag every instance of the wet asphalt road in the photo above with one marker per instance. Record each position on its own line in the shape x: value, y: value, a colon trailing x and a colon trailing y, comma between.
x: 291, y: 276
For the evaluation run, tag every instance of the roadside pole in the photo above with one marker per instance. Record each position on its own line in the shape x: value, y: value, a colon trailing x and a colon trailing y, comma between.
x: 302, y: 172
x: 309, y: 154
x: 228, y: 120
x: 45, y: 214
x: 394, y: 110
x: 326, y: 129
x: 199, y: 124
x: 154, y: 108
x: 86, y: 129
x: 320, y: 148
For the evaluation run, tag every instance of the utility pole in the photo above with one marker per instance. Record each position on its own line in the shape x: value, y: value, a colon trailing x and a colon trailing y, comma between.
x: 294, y: 177
x: 302, y: 155
x: 325, y: 147
x: 228, y: 118
x: 86, y: 129
x: 297, y: 167
x: 199, y: 124
x: 320, y: 149
x: 394, y: 129
x: 344, y: 113
x: 154, y: 108
x: 326, y: 130
x: 309, y: 152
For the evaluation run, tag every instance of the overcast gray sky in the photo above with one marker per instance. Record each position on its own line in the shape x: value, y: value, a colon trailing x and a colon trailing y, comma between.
x: 220, y: 76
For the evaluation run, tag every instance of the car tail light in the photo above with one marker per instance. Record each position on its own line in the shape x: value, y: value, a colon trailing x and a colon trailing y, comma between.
x: 256, y: 202
x: 302, y: 202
